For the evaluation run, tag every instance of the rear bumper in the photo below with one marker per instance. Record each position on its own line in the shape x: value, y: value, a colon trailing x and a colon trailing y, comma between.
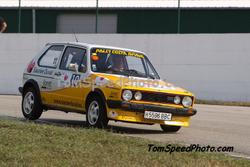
x: 143, y: 107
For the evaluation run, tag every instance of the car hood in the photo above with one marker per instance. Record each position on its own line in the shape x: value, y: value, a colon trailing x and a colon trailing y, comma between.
x: 137, y: 83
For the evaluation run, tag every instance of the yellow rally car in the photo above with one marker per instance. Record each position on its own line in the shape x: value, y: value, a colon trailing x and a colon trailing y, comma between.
x: 106, y: 83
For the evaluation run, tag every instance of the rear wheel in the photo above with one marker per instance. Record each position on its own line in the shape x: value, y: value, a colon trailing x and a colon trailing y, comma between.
x: 96, y: 115
x: 31, y: 105
x: 167, y: 128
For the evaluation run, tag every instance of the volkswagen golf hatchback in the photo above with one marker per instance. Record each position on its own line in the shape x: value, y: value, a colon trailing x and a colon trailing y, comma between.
x: 105, y: 83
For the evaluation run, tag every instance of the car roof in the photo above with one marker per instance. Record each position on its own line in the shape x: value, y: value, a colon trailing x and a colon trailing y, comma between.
x: 88, y: 45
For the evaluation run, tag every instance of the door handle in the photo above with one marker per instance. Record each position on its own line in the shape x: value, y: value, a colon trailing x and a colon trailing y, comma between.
x: 57, y: 74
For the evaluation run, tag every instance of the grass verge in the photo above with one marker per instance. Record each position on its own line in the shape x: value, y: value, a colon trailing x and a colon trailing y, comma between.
x: 224, y: 103
x: 30, y: 144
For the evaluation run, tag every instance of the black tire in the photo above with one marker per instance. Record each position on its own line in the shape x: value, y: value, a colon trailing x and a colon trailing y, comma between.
x: 36, y: 109
x: 101, y: 121
x: 167, y: 128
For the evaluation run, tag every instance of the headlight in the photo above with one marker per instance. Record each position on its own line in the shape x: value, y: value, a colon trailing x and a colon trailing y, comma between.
x: 187, y: 101
x: 127, y: 95
x: 177, y: 99
x: 138, y: 96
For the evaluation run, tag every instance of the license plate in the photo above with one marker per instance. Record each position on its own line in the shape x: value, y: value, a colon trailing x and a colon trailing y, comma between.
x: 157, y: 115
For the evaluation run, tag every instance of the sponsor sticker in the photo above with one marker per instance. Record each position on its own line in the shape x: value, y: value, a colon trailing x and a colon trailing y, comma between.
x: 47, y: 84
x: 43, y: 71
x: 100, y: 81
x: 68, y: 103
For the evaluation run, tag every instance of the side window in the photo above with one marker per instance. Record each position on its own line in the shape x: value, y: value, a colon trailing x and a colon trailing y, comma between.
x: 51, y: 57
x: 135, y: 63
x: 75, y: 56
x: 151, y: 71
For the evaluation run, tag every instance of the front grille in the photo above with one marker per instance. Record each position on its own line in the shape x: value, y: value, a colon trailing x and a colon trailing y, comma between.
x: 158, y: 97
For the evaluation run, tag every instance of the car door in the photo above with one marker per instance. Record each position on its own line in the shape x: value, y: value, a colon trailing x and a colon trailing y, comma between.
x: 72, y: 69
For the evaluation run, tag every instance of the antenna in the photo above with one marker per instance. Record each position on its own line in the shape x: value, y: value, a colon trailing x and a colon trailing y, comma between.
x: 75, y: 36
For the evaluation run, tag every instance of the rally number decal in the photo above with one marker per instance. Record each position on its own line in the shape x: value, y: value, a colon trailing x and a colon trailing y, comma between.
x: 74, y: 79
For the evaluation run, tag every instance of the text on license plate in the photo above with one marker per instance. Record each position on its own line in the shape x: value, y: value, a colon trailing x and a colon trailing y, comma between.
x: 157, y: 115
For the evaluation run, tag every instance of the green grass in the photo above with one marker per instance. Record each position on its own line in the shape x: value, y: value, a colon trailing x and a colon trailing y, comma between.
x: 30, y: 144
x: 224, y: 103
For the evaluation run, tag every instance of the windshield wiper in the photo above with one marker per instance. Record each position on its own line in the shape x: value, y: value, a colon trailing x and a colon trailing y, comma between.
x: 127, y: 72
x: 151, y: 76
x: 132, y: 72
x: 116, y: 72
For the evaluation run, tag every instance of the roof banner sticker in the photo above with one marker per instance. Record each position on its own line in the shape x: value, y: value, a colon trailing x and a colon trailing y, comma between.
x: 119, y: 52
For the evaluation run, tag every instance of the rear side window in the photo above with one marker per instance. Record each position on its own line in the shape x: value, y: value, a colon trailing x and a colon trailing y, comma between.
x: 51, y: 57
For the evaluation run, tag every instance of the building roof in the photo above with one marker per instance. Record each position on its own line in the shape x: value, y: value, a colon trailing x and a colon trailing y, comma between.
x: 120, y: 4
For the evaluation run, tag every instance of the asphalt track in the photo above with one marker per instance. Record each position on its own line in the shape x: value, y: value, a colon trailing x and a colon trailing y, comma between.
x: 213, y: 125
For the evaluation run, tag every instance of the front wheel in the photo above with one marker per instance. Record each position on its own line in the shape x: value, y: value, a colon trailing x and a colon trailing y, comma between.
x: 31, y: 105
x: 167, y: 128
x: 96, y: 115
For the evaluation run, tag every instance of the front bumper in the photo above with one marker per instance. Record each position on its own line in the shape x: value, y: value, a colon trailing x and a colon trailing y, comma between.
x: 130, y: 106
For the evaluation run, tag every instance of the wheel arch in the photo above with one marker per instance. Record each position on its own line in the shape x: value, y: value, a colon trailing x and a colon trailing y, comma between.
x: 34, y: 84
x: 96, y: 92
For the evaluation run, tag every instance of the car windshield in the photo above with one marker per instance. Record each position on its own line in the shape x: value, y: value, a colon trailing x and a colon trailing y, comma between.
x: 121, y: 62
